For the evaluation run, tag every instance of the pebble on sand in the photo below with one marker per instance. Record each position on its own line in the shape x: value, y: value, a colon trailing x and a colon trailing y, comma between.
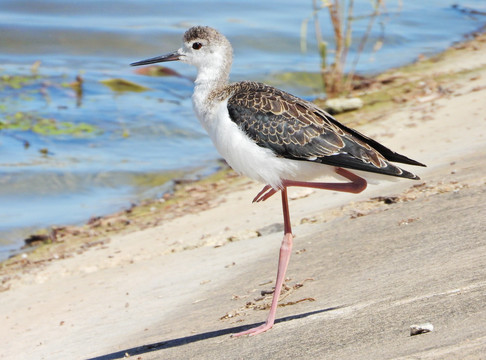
x: 421, y: 329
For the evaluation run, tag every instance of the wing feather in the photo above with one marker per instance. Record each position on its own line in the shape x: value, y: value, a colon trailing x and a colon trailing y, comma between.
x: 297, y: 129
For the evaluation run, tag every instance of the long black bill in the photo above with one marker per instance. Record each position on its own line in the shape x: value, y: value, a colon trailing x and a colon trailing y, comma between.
x: 168, y: 57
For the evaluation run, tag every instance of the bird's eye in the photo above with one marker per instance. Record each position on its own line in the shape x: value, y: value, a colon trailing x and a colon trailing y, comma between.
x: 196, y: 45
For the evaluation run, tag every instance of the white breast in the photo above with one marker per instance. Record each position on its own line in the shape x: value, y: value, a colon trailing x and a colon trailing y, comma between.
x: 245, y: 156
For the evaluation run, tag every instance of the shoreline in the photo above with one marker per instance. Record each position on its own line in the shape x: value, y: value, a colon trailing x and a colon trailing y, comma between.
x: 377, y: 104
x: 158, y: 274
x: 57, y: 242
x: 47, y: 235
x: 42, y: 233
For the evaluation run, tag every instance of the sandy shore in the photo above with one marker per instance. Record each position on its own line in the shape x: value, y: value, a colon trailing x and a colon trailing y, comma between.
x: 364, y: 268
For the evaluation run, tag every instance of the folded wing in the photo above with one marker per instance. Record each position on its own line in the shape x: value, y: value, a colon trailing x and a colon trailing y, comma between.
x: 297, y: 129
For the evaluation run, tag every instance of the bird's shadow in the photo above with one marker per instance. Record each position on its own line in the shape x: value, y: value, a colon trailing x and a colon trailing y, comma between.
x: 143, y: 349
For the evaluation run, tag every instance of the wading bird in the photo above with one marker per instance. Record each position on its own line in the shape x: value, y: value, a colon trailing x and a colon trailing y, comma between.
x: 274, y: 137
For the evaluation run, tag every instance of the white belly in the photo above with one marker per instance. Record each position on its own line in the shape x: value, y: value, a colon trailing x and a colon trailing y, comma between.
x: 247, y: 158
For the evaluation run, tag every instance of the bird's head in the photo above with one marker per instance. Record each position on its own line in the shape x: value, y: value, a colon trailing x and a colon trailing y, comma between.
x: 203, y: 47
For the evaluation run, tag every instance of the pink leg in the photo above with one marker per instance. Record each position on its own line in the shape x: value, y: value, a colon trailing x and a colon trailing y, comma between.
x: 283, y: 262
x: 357, y: 185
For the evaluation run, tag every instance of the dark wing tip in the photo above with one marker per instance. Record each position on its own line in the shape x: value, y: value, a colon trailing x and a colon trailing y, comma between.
x: 409, y: 175
x: 396, y: 157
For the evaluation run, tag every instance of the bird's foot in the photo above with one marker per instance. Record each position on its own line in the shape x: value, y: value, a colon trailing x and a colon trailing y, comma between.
x: 256, y: 330
x: 265, y: 193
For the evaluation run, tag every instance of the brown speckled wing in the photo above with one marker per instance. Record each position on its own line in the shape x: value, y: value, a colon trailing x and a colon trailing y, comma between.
x: 297, y: 129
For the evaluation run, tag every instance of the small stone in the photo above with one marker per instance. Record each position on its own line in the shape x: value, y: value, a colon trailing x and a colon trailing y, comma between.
x: 421, y: 329
x: 337, y: 106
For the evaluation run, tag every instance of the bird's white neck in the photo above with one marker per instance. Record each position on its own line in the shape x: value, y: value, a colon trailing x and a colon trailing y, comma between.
x: 210, y: 78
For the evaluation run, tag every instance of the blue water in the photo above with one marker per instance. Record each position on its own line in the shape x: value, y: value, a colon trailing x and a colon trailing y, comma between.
x: 149, y: 133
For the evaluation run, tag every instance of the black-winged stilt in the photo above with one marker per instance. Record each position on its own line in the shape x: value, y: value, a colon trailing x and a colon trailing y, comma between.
x: 274, y: 137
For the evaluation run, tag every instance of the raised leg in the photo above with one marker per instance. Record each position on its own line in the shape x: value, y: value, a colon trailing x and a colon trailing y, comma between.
x: 357, y: 185
x: 283, y: 261
x: 266, y: 192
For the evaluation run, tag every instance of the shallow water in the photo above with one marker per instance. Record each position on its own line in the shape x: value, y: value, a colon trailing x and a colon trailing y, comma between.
x: 139, y: 140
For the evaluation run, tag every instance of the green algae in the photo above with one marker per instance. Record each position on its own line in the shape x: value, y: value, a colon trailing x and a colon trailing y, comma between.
x: 16, y: 82
x: 157, y: 70
x: 28, y: 121
x: 152, y: 180
x: 17, y: 89
x: 122, y: 85
x: 308, y: 82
